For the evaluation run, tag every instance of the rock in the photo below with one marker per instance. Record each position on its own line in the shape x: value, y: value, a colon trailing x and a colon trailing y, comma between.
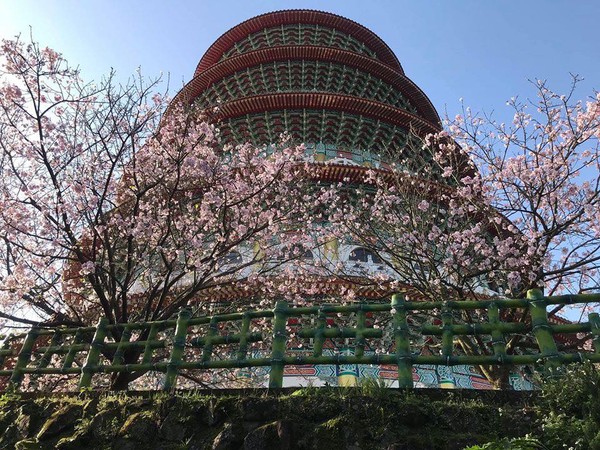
x: 29, y: 409
x: 285, y: 431
x: 173, y: 428
x: 63, y: 419
x: 272, y: 435
x: 5, y: 419
x: 30, y: 417
x: 81, y: 439
x: 257, y: 410
x: 90, y: 408
x: 9, y: 431
x: 140, y: 427
x: 29, y: 444
x: 230, y: 438
x: 9, y: 436
x: 23, y: 425
x: 251, y: 426
x: 105, y: 424
x: 125, y: 444
x: 263, y: 437
x: 211, y: 414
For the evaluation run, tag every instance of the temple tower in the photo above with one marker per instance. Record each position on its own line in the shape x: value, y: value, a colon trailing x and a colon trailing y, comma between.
x: 329, y: 82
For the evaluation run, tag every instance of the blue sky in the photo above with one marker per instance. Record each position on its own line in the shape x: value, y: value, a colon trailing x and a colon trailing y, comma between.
x: 481, y: 51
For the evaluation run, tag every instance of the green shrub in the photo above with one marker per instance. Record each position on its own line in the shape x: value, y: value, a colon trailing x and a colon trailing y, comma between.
x: 568, y: 410
x: 526, y: 443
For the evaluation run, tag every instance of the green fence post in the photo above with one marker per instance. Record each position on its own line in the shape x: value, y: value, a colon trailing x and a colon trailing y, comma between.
x: 148, y: 350
x: 119, y: 356
x: 278, y: 345
x: 5, y: 349
x: 70, y: 358
x: 594, y: 319
x: 498, y: 342
x: 319, y: 338
x: 47, y: 356
x: 403, y: 354
x: 447, y: 333
x: 23, y: 359
x: 361, y: 324
x: 91, y: 363
x: 243, y: 345
x: 447, y: 376
x: 541, y: 329
x: 213, y: 333
x: 178, y: 349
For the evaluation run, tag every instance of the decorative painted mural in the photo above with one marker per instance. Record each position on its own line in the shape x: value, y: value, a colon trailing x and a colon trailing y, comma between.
x: 424, y: 376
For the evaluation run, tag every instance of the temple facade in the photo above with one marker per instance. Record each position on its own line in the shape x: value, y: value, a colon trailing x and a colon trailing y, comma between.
x: 333, y: 85
x: 323, y: 81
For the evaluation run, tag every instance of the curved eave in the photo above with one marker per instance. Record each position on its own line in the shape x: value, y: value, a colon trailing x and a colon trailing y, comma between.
x: 323, y: 286
x: 353, y: 174
x: 294, y: 16
x: 333, y: 173
x: 322, y: 100
x: 314, y: 53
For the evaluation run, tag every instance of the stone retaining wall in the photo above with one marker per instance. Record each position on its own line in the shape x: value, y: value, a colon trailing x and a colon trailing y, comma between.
x: 308, y: 418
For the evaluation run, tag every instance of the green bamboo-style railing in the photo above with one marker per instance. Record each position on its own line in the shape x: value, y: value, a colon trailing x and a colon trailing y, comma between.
x: 188, y: 344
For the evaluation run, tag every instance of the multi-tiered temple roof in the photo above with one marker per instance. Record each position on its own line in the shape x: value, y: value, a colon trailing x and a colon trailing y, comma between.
x: 323, y: 79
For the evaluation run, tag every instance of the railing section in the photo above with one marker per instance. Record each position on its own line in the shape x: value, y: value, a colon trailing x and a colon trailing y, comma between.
x: 294, y: 336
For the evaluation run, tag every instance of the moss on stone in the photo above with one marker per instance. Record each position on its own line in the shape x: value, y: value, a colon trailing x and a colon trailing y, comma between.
x: 307, y: 419
x: 61, y: 420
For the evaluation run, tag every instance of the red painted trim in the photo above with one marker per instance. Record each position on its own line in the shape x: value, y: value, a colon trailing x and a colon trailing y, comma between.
x: 318, y: 100
x: 311, y: 17
x: 301, y: 52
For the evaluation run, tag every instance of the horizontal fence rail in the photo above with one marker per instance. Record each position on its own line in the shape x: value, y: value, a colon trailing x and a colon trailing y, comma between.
x: 271, y: 339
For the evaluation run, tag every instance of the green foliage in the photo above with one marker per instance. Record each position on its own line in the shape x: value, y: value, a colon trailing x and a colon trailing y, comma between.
x: 372, y: 387
x: 567, y: 413
x: 573, y: 390
x: 526, y: 443
x: 569, y: 410
x: 366, y: 387
x: 7, y: 398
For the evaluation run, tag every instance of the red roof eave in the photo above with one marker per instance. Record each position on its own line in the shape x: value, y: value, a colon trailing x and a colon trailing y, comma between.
x: 311, y: 17
x: 327, y: 101
x: 304, y: 52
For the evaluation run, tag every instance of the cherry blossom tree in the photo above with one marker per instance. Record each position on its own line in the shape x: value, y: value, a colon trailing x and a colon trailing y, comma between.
x: 542, y: 173
x: 112, y: 208
x: 509, y: 206
x: 112, y: 205
x: 489, y: 209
